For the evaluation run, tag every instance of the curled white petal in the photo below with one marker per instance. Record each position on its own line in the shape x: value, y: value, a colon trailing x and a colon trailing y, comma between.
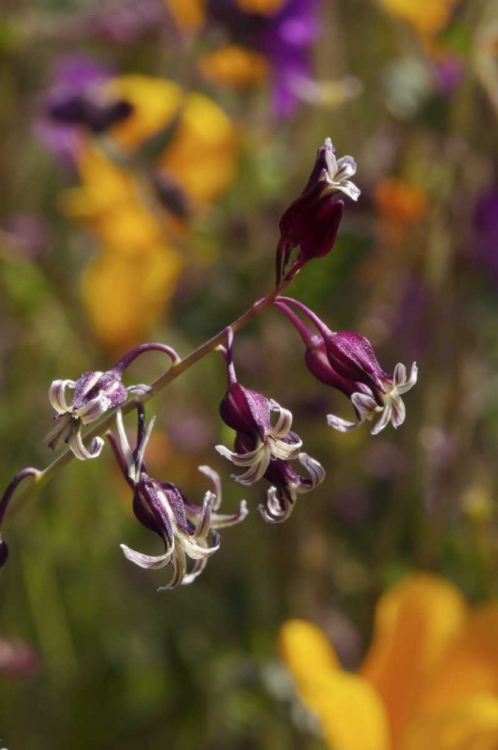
x: 57, y: 395
x: 147, y: 561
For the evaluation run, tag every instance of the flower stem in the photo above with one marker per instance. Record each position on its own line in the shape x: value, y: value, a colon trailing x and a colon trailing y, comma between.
x: 177, y: 368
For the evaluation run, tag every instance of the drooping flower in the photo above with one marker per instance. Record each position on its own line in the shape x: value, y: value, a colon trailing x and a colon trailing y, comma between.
x: 312, y: 220
x: 347, y: 361
x: 94, y: 394
x: 265, y: 449
x: 430, y: 679
x: 187, y: 530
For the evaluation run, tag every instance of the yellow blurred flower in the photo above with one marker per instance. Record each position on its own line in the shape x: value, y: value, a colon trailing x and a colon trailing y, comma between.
x: 126, y: 289
x: 429, y: 681
x: 427, y: 17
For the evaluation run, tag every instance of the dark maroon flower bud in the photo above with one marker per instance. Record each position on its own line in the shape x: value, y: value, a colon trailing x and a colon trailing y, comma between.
x: 312, y: 220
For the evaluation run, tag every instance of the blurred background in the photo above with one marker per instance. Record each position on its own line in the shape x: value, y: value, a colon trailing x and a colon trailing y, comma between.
x: 147, y: 152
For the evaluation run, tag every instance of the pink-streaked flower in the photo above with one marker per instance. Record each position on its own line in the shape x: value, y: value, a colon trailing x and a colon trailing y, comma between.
x: 186, y: 530
x: 312, y: 220
x: 347, y: 362
x: 265, y: 447
x: 94, y: 393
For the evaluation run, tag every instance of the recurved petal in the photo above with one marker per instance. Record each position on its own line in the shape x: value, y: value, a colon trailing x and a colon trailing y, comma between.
x: 75, y: 442
x: 147, y: 561
x: 277, y: 508
x: 415, y: 623
x: 341, y: 425
x: 471, y: 724
x: 57, y: 395
x: 384, y: 419
x: 406, y: 385
x: 221, y: 520
x: 285, y: 451
x: 284, y: 421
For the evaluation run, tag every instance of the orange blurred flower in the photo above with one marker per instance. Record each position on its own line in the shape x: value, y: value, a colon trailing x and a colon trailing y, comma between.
x: 429, y: 681
x: 426, y: 17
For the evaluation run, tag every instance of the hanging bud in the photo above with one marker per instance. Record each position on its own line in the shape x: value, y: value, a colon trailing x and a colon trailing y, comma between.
x: 312, y: 220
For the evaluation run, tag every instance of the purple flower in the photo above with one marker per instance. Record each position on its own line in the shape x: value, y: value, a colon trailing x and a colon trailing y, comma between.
x: 347, y: 362
x: 264, y: 449
x: 94, y: 394
x: 185, y: 528
x: 75, y: 83
x: 285, y: 39
x: 312, y: 220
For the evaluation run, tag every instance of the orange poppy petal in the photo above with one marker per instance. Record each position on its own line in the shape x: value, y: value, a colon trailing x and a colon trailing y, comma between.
x: 471, y: 724
x: 349, y: 711
x: 414, y: 623
x: 471, y: 663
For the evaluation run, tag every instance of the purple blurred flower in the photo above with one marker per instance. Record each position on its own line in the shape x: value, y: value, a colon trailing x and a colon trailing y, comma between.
x: 123, y: 21
x: 284, y: 38
x: 73, y: 78
x: 29, y: 234
x: 486, y: 233
x: 17, y: 659
x: 286, y: 42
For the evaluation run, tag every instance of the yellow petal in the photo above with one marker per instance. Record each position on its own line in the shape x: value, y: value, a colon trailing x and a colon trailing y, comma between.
x: 414, y: 624
x: 202, y: 155
x: 471, y: 724
x: 125, y: 295
x: 349, y: 711
x: 306, y: 650
x: 427, y: 17
x: 470, y: 664
x: 233, y: 65
x: 155, y: 102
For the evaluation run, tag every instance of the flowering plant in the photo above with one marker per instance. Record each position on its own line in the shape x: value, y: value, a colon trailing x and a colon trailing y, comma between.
x: 265, y: 447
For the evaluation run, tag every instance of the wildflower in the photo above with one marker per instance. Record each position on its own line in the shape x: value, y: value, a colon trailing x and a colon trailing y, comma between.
x: 347, y: 362
x: 429, y: 679
x: 162, y: 507
x: 94, y: 394
x: 258, y: 441
x: 354, y: 359
x: 265, y: 449
x: 312, y: 220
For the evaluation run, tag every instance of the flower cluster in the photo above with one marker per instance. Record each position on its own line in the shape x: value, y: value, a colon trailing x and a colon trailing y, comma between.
x: 265, y: 449
x: 265, y: 446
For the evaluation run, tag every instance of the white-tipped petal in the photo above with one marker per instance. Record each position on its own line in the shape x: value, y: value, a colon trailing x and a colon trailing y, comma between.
x: 57, y: 395
x: 146, y: 561
x: 341, y: 425
x: 75, y: 442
